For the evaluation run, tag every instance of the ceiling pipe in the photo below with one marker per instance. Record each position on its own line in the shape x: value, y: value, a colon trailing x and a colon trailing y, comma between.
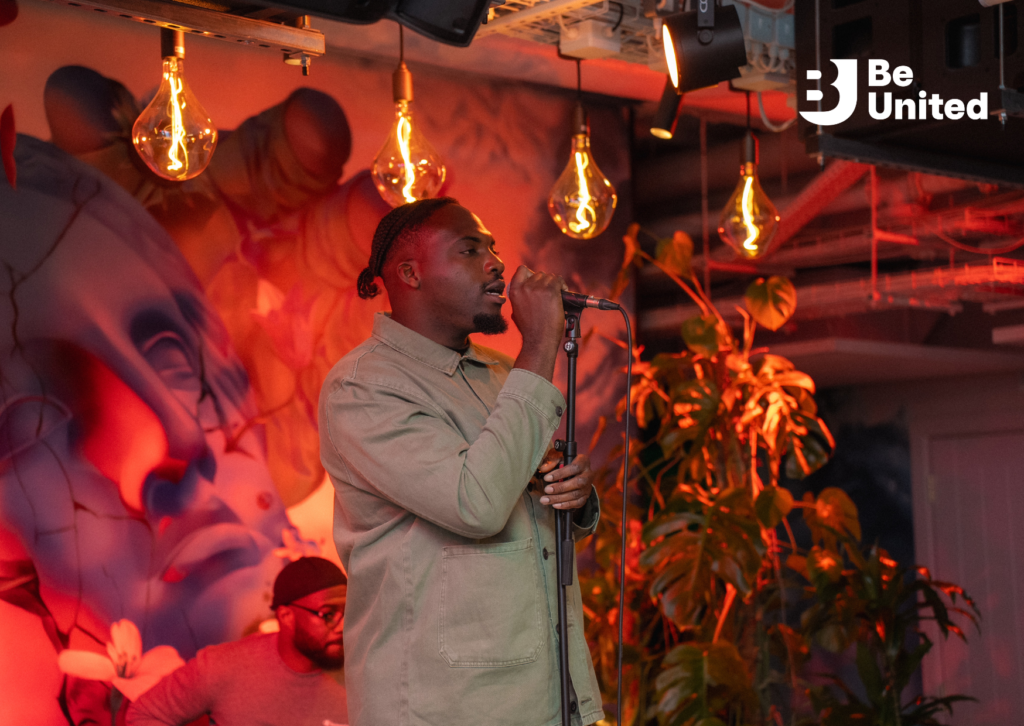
x: 838, y: 176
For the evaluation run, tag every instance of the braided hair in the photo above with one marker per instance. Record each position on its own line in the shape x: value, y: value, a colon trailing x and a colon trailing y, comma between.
x: 397, y: 224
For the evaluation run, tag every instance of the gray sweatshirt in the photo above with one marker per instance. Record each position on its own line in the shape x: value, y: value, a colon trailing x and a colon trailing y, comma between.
x: 244, y: 683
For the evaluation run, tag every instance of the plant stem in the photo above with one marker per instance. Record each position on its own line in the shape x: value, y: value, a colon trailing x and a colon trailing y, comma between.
x: 730, y: 595
x: 116, y: 699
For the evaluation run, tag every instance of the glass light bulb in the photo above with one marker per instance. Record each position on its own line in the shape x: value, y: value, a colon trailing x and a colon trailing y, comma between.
x: 407, y: 167
x: 173, y: 134
x: 583, y: 200
x: 749, y: 220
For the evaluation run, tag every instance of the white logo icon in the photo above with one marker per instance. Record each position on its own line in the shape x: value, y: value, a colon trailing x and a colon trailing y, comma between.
x: 846, y: 84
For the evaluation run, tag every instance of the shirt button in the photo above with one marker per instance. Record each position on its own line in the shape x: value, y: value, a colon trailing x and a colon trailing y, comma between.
x: 545, y: 553
x: 558, y: 410
x: 572, y: 707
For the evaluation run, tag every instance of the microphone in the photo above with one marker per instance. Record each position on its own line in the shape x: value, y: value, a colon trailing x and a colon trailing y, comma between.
x: 579, y: 300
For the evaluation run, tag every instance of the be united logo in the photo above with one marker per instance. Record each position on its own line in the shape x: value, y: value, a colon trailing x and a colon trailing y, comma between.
x: 884, y: 106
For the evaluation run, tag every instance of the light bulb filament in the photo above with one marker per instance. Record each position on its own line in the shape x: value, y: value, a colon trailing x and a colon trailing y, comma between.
x: 747, y: 205
x: 177, y: 127
x: 585, y: 208
x: 404, y: 133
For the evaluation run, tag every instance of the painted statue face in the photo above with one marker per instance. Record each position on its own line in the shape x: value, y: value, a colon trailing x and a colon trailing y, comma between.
x: 131, y: 475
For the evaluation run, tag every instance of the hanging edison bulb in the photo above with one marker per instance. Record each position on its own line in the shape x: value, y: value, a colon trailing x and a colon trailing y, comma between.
x: 407, y: 167
x: 174, y: 135
x: 583, y: 200
x: 749, y: 220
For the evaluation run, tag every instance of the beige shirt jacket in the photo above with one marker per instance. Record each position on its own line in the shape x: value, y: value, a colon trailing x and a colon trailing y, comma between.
x: 452, y: 596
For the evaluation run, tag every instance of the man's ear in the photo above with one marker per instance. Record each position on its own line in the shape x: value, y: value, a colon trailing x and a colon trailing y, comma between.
x: 408, y: 272
x: 286, y: 618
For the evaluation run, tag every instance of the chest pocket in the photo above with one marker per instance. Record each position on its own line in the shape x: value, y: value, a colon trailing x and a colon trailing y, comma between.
x: 490, y: 612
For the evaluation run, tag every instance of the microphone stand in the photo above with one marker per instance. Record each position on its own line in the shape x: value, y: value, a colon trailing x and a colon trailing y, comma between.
x: 566, y: 544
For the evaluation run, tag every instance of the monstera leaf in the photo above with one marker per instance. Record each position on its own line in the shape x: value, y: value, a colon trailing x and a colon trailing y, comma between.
x: 694, y: 405
x: 699, y: 680
x: 771, y: 302
x: 811, y: 446
x: 701, y: 335
x: 772, y: 506
x: 674, y: 253
x: 690, y: 548
x: 833, y: 516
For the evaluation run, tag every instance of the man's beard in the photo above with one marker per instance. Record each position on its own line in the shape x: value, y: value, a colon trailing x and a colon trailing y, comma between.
x: 325, y: 661
x: 490, y: 323
x: 317, y: 652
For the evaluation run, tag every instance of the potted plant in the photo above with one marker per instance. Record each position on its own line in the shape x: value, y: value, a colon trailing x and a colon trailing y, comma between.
x: 725, y: 609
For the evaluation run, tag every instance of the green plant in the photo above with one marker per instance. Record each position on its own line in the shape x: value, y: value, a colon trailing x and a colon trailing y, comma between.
x: 726, y: 609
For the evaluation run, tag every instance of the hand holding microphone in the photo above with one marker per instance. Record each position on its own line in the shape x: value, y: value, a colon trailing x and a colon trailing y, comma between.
x: 541, y: 319
x: 537, y: 312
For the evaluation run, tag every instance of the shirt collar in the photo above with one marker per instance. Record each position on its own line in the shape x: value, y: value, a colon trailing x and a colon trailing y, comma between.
x: 421, y: 348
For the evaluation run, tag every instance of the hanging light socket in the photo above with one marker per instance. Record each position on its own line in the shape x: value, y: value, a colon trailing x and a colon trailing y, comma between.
x: 172, y: 43
x: 401, y: 83
x: 751, y: 153
x: 579, y: 120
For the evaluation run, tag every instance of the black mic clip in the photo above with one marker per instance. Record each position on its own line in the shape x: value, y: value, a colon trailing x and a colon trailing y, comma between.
x: 579, y: 301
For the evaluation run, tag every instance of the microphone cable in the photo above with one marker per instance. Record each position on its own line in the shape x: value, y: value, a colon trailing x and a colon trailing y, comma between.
x: 625, y: 489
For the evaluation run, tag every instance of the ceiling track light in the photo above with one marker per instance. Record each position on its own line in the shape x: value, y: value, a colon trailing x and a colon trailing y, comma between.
x: 174, y: 135
x: 703, y: 47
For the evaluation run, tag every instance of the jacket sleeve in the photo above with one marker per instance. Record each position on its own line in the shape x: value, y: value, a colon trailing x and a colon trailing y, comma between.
x: 178, y: 699
x: 409, y: 452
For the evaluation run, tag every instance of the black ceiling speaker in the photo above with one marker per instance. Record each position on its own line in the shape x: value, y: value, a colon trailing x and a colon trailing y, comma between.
x: 704, y: 47
x: 453, y: 22
x: 361, y: 12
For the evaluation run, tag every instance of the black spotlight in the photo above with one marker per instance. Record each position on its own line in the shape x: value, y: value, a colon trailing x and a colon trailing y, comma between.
x: 665, y: 118
x: 703, y: 47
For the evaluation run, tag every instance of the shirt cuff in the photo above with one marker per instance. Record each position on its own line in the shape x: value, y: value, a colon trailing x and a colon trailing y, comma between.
x: 585, y: 519
x: 536, y: 391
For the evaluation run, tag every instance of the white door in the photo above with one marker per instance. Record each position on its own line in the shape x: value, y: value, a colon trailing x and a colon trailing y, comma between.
x: 969, y: 529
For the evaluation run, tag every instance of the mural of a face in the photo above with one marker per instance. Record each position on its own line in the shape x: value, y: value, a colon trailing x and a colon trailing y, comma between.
x: 132, y: 476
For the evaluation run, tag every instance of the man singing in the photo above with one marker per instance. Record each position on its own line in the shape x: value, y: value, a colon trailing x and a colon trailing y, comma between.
x: 431, y: 442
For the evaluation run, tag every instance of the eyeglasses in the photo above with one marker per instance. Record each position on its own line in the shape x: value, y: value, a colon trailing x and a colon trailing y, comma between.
x: 330, y: 615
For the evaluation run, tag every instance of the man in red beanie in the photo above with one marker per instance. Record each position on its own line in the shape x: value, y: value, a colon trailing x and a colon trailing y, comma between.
x: 291, y: 677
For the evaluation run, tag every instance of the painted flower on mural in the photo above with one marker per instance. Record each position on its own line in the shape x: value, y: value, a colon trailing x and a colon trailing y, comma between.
x: 287, y: 320
x: 125, y: 666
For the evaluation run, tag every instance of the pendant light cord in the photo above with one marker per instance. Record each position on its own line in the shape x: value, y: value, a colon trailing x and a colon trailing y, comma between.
x: 748, y: 110
x: 401, y: 43
x: 579, y: 82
